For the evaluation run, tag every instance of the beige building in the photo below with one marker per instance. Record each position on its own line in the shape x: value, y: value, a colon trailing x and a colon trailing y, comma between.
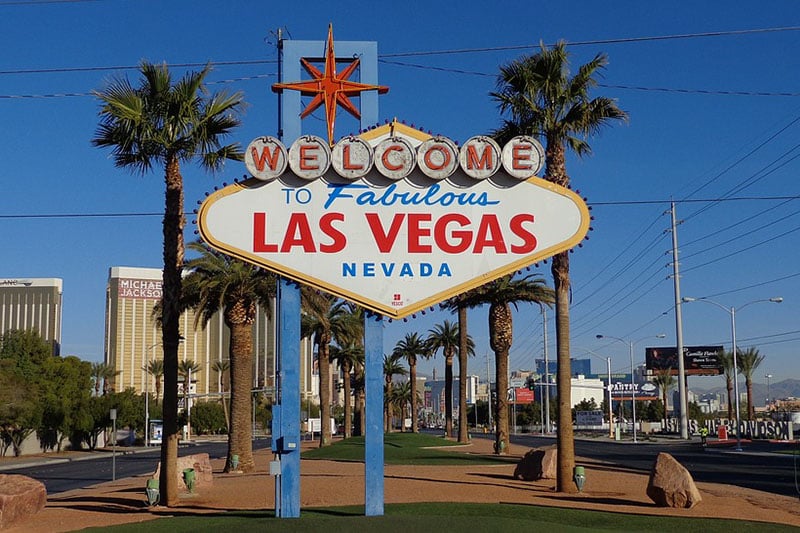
x: 133, y: 338
x: 32, y: 303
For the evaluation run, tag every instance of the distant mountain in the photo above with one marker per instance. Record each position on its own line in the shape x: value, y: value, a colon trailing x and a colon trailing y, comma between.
x: 777, y: 390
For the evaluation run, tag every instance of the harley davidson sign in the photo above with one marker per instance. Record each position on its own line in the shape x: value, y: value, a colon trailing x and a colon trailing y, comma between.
x: 394, y: 220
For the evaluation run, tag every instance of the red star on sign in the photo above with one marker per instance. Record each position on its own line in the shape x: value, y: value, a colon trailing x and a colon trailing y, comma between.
x: 328, y: 88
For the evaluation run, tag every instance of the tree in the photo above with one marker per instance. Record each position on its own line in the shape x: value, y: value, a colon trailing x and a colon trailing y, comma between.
x: 542, y: 100
x: 217, y: 282
x: 156, y: 369
x: 102, y: 374
x: 726, y: 358
x: 23, y: 352
x: 186, y: 368
x: 164, y: 124
x: 65, y: 388
x: 347, y: 357
x: 445, y: 336
x: 500, y: 295
x: 391, y: 366
x: 748, y: 361
x: 409, y: 348
x: 325, y: 318
x: 400, y: 397
x: 222, y: 368
x: 664, y: 380
x: 457, y: 305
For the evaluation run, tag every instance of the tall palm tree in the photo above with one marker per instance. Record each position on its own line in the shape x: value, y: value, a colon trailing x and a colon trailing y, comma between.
x: 324, y: 318
x: 445, y: 336
x: 457, y: 306
x: 664, y: 380
x: 217, y: 282
x: 748, y: 361
x: 186, y: 368
x: 347, y: 357
x: 221, y: 368
x: 726, y: 358
x: 501, y: 294
x: 409, y: 348
x: 155, y: 368
x: 161, y: 123
x: 102, y: 374
x: 391, y: 366
x: 400, y: 397
x: 542, y: 99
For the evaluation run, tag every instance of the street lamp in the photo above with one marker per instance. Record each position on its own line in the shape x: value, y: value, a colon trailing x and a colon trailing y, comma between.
x: 610, y: 411
x: 630, y: 344
x: 768, y: 376
x: 732, y: 311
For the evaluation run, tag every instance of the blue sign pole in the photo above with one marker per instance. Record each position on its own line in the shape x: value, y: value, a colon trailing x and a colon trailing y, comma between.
x: 373, y: 454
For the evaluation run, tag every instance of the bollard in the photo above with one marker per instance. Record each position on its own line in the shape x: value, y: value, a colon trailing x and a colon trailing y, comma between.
x: 579, y: 475
x: 188, y: 479
x: 152, y: 492
x: 234, y: 462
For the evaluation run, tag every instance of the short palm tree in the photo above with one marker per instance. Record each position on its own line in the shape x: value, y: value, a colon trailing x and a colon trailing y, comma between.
x: 102, y: 375
x: 541, y: 99
x: 217, y: 282
x: 749, y: 360
x: 155, y: 368
x: 324, y: 318
x: 445, y: 336
x: 409, y: 348
x: 664, y: 380
x: 401, y: 398
x: 501, y: 294
x: 161, y: 123
x: 726, y: 358
x: 391, y: 367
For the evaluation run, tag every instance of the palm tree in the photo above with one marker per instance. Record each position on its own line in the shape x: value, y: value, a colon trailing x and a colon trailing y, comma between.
x: 347, y: 357
x: 544, y: 101
x: 748, y: 361
x: 325, y: 318
x: 457, y: 305
x: 409, y: 348
x: 217, y: 282
x: 102, y: 374
x: 156, y: 369
x: 221, y: 367
x: 400, y: 396
x: 445, y: 336
x: 163, y: 124
x: 500, y: 295
x: 664, y: 380
x: 186, y: 368
x: 391, y: 366
x: 726, y: 358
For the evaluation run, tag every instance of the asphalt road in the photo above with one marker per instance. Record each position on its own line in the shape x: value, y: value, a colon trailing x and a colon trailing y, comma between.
x: 757, y: 466
x: 64, y: 476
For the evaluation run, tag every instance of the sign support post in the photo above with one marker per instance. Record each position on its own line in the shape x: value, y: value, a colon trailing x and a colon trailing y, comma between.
x: 373, y: 453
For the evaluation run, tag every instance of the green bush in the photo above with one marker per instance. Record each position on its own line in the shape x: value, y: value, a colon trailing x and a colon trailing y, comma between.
x: 208, y: 418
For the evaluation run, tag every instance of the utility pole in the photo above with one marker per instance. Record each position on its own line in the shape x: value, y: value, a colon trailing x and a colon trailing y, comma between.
x: 676, y: 279
x: 546, y: 373
x: 489, y: 385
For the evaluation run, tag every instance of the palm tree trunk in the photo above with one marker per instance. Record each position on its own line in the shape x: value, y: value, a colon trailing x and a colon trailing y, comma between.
x: 324, y: 392
x: 565, y: 444
x: 412, y: 375
x: 729, y: 386
x: 751, y: 411
x: 240, y: 438
x: 448, y: 394
x: 463, y: 354
x: 501, y: 414
x: 170, y: 323
x: 348, y: 410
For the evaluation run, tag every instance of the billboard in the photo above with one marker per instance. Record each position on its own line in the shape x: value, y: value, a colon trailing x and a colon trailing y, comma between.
x: 625, y: 390
x: 521, y: 395
x: 697, y: 360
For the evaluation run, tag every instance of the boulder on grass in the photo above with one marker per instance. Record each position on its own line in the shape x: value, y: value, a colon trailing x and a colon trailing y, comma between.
x: 538, y: 463
x: 20, y: 498
x: 203, y: 475
x: 671, y: 485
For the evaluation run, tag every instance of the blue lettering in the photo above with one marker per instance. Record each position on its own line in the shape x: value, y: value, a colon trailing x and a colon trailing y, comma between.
x: 425, y: 269
x: 405, y: 270
x: 369, y: 270
x: 387, y: 268
x: 389, y: 196
x: 348, y: 269
x: 444, y: 270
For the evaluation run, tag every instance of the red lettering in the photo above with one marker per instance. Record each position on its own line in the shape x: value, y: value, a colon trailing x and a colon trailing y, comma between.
x: 489, y: 235
x: 338, y: 238
x: 445, y: 157
x: 521, y: 157
x: 298, y: 233
x: 385, y: 157
x: 528, y: 239
x: 265, y: 157
x: 384, y: 240
x: 346, y: 159
x: 308, y: 159
x: 416, y: 232
x: 463, y: 238
x: 482, y: 161
x: 260, y: 244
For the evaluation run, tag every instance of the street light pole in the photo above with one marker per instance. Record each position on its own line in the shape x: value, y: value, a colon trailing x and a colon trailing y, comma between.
x: 147, y: 393
x: 608, y: 388
x: 732, y: 311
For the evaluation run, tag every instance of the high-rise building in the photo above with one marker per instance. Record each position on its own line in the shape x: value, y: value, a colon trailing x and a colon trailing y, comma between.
x: 32, y: 303
x: 133, y: 337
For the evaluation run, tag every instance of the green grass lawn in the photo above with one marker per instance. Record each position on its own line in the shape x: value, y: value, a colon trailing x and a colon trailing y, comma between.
x: 444, y: 517
x: 405, y: 449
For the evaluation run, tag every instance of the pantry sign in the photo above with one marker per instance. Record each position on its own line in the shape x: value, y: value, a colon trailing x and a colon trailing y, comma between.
x: 394, y: 219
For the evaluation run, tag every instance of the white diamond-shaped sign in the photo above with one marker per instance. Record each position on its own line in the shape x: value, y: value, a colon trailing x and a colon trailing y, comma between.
x: 393, y: 246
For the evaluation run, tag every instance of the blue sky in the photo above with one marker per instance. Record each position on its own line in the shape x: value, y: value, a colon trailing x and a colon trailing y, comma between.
x: 711, y: 117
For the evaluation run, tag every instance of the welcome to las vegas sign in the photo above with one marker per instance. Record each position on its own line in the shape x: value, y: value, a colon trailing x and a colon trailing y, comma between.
x: 395, y: 220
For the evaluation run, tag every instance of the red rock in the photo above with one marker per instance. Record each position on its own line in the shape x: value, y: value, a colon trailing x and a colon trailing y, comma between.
x: 20, y: 498
x: 671, y: 485
x: 203, y: 474
x: 538, y: 463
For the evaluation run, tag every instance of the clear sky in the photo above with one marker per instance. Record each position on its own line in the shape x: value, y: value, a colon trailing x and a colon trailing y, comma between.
x: 714, y: 110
